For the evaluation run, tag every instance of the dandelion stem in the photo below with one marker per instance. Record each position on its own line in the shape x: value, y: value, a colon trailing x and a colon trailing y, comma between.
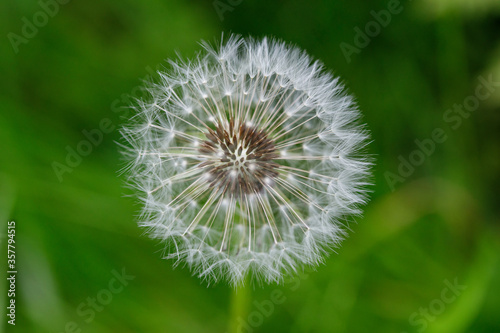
x: 239, y: 306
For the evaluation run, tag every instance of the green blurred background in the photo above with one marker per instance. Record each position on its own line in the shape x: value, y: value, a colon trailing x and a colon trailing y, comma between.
x: 437, y: 226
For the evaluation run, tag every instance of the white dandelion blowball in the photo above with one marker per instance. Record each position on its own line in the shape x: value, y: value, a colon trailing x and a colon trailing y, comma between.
x: 249, y: 160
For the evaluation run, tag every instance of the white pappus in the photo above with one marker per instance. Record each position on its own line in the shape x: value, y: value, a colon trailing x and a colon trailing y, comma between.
x: 249, y: 159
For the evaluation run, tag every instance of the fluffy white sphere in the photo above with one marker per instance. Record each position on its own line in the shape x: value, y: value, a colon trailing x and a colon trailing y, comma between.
x: 248, y: 160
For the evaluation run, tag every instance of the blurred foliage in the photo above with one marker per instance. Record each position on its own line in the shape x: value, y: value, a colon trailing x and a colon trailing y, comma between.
x: 441, y: 224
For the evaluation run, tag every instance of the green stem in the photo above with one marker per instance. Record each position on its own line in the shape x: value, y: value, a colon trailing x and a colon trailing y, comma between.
x: 240, y: 299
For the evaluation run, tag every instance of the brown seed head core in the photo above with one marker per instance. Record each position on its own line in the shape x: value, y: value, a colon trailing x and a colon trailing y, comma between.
x: 239, y: 158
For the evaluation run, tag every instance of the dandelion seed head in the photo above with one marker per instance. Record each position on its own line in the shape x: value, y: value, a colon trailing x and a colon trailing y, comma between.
x: 249, y: 158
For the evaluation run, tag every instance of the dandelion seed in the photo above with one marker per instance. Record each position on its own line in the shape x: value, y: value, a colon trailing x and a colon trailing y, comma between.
x: 271, y: 157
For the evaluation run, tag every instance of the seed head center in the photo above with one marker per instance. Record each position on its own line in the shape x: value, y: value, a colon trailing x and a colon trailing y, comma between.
x: 238, y: 158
